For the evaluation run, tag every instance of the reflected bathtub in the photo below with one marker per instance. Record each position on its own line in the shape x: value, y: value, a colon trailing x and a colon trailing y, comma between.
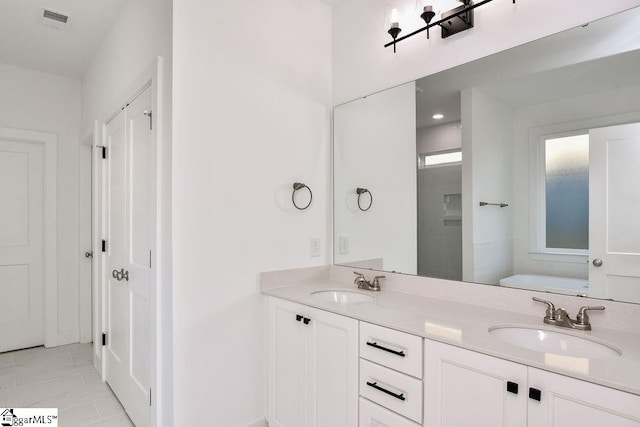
x: 537, y: 282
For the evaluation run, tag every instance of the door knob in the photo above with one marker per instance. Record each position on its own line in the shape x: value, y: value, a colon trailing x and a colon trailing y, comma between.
x: 88, y: 254
x: 597, y: 262
x: 119, y: 275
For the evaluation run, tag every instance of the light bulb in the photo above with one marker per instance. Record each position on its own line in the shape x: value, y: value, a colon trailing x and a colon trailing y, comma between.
x: 395, y: 18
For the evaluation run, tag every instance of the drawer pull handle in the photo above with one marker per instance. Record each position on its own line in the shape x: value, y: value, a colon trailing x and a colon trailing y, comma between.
x: 379, y: 347
x: 384, y: 390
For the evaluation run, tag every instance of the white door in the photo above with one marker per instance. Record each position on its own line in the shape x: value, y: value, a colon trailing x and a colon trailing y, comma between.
x: 21, y: 245
x: 464, y: 388
x: 614, y: 209
x: 566, y: 402
x: 287, y: 364
x: 130, y: 231
x: 333, y: 369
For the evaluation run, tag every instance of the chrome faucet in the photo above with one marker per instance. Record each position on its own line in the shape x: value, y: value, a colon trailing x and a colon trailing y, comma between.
x: 560, y: 317
x: 363, y: 283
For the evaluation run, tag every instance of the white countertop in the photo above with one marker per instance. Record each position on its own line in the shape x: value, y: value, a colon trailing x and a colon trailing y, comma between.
x: 467, y: 326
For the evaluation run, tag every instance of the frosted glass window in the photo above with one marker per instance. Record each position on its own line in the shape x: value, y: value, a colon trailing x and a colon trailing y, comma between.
x: 439, y: 159
x: 567, y: 192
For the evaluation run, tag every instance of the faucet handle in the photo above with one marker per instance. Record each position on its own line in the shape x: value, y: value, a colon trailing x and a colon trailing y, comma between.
x: 551, y: 309
x: 376, y: 281
x: 583, y: 317
x: 360, y: 275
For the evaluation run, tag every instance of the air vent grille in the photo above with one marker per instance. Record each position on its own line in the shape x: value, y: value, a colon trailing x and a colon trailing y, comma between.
x: 54, y: 20
x: 49, y: 14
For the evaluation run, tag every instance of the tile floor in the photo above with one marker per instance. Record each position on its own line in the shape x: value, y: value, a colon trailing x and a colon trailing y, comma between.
x: 60, y: 377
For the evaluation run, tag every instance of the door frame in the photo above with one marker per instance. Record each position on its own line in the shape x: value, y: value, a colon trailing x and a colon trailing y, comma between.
x: 49, y: 142
x: 85, y: 238
x: 151, y: 77
x: 534, y: 159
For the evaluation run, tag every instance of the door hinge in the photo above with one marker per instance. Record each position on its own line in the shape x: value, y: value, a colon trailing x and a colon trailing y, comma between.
x: 104, y: 245
x: 149, y: 259
x: 149, y: 114
x: 150, y: 397
x: 104, y: 339
x: 104, y: 152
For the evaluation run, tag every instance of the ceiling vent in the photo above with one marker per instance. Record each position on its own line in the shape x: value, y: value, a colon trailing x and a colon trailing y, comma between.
x: 54, y: 20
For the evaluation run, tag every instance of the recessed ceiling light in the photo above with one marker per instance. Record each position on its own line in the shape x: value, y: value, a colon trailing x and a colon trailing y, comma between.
x: 438, y: 116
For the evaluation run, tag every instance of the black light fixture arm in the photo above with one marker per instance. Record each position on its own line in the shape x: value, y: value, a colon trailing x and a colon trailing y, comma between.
x: 440, y: 22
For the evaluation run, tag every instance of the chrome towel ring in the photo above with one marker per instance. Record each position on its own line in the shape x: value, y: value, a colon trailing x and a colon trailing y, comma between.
x: 360, y: 192
x: 299, y: 186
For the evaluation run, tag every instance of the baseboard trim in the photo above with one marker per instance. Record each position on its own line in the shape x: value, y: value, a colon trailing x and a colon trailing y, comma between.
x: 97, y: 363
x: 259, y: 423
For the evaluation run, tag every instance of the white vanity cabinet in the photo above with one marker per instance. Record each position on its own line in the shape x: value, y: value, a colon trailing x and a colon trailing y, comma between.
x: 463, y: 387
x: 567, y: 401
x: 313, y: 367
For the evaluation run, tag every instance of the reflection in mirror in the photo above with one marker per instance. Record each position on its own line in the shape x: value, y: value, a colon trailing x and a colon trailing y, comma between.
x: 517, y: 170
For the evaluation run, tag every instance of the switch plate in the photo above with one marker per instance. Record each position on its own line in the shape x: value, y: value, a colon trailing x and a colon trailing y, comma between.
x: 314, y: 249
x: 344, y: 245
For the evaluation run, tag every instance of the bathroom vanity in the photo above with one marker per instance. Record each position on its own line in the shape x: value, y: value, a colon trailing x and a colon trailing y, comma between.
x: 339, y: 356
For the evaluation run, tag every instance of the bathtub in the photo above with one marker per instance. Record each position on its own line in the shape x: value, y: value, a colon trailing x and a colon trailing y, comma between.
x: 536, y: 282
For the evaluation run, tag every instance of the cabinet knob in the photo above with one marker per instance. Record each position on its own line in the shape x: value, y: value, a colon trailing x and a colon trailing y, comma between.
x: 298, y: 317
x: 512, y: 387
x: 306, y: 320
x: 535, y: 394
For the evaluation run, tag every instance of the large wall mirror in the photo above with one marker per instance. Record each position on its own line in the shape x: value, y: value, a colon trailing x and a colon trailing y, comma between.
x: 521, y: 169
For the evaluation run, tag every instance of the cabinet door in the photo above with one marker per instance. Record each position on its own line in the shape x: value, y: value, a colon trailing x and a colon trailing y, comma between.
x: 465, y: 388
x: 333, y: 370
x: 287, y: 336
x: 566, y: 401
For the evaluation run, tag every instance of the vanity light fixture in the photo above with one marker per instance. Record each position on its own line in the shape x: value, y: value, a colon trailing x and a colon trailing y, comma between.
x: 394, y: 27
x: 438, y: 116
x: 452, y: 21
x: 427, y: 15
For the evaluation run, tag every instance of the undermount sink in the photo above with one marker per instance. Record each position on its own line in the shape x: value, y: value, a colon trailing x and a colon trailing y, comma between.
x: 555, y: 342
x: 342, y: 296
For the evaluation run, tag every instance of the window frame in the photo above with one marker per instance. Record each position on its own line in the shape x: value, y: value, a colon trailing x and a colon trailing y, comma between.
x: 538, y: 238
x: 422, y: 158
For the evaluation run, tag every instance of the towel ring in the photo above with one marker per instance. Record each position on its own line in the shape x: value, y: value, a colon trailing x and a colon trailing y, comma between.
x: 299, y: 186
x: 360, y: 192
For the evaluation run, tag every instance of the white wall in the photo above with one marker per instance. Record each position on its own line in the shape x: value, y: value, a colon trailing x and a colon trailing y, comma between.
x: 611, y: 107
x: 43, y: 102
x: 361, y: 65
x: 142, y: 32
x: 252, y: 96
x: 375, y: 148
x: 487, y: 177
x: 431, y: 139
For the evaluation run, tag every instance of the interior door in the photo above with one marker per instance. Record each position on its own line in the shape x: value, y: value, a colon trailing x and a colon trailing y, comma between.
x: 21, y: 245
x: 130, y: 229
x: 614, y: 209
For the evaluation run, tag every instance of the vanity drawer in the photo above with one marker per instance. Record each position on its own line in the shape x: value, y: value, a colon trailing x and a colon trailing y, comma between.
x: 391, y: 348
x: 398, y: 392
x: 372, y: 415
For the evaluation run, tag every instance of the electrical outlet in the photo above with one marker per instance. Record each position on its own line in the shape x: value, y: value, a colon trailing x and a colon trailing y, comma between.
x: 314, y: 249
x: 344, y: 245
